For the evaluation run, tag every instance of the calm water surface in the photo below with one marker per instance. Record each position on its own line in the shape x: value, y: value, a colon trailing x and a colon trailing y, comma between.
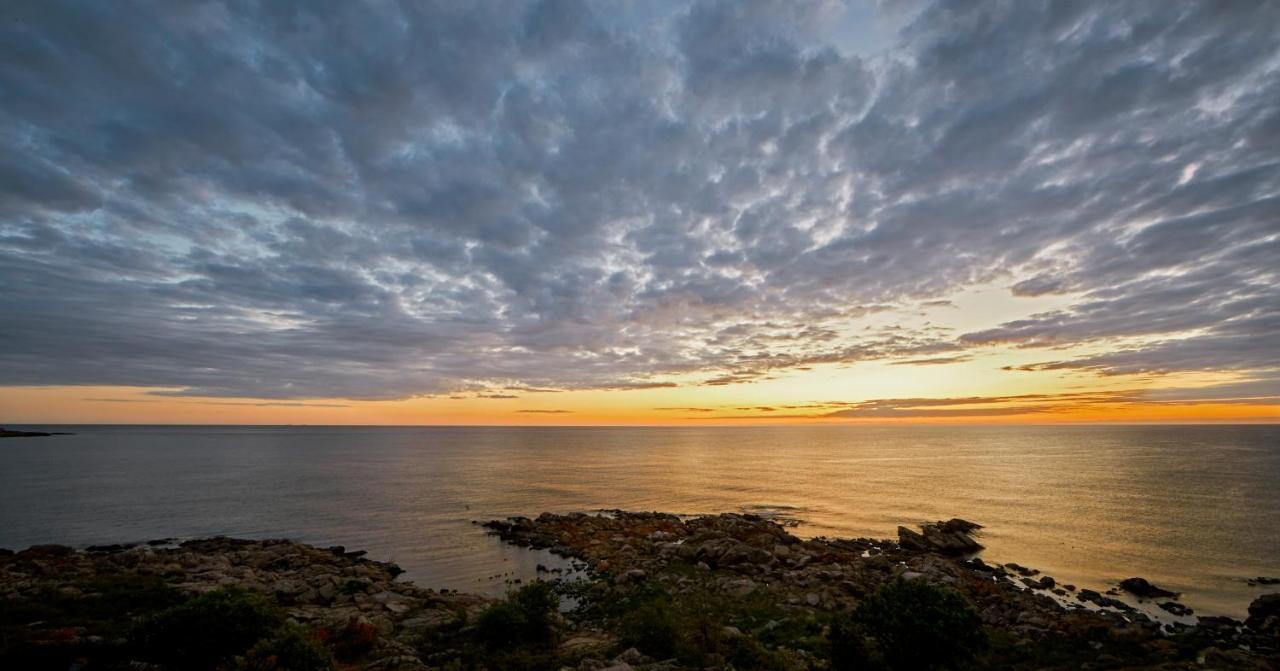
x: 1194, y: 509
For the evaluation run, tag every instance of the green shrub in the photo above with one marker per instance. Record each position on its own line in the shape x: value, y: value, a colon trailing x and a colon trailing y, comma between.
x: 526, y: 618
x: 915, y: 625
x: 744, y: 652
x: 207, y: 631
x: 653, y: 627
x: 292, y: 648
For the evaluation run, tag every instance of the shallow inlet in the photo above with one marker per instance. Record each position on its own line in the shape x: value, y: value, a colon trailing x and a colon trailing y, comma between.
x: 1193, y: 509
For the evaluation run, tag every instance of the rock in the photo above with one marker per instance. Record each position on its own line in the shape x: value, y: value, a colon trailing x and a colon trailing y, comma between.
x: 1264, y: 613
x: 1263, y: 580
x: 950, y: 537
x: 588, y: 643
x: 950, y: 542
x: 1176, y: 608
x: 956, y: 524
x: 740, y: 587
x: 910, y: 540
x: 1090, y: 596
x: 1143, y: 589
x: 1020, y: 569
x: 1217, y: 622
x: 1045, y: 582
x: 48, y: 551
x: 428, y: 619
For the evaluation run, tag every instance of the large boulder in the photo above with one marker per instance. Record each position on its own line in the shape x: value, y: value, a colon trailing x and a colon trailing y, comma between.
x: 950, y: 542
x: 1143, y: 589
x: 1264, y: 613
x: 950, y: 537
x: 911, y: 540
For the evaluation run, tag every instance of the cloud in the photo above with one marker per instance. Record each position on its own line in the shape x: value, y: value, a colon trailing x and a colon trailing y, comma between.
x: 632, y: 386
x: 1039, y: 285
x: 933, y: 361
x: 978, y: 406
x: 330, y: 200
x: 547, y: 412
x: 534, y: 390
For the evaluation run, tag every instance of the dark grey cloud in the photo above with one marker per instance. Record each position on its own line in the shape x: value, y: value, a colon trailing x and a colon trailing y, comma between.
x: 292, y: 200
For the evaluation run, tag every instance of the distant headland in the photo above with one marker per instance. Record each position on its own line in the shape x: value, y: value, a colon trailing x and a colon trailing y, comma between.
x: 11, y: 433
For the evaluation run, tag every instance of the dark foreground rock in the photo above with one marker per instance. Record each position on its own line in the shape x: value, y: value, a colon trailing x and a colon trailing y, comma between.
x: 1264, y: 614
x: 653, y: 592
x: 59, y: 606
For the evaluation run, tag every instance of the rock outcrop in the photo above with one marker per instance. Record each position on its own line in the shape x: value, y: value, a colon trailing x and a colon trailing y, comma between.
x: 952, y: 537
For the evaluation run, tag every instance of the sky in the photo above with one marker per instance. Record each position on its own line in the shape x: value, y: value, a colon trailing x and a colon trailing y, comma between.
x: 576, y: 212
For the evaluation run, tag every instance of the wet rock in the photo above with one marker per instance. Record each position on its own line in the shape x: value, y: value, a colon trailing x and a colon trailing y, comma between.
x: 1176, y: 608
x: 1091, y: 596
x: 1020, y: 569
x: 1143, y: 589
x: 1044, y: 582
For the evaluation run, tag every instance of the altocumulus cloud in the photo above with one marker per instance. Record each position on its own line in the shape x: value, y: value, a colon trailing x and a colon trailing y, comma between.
x: 373, y: 200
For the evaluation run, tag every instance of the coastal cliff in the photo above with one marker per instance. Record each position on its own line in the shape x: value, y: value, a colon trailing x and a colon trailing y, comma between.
x: 650, y: 591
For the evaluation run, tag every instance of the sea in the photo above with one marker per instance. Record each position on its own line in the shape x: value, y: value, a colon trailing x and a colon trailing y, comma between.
x: 1195, y: 509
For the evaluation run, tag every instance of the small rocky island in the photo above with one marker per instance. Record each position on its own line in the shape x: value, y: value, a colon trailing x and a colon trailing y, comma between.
x: 649, y: 591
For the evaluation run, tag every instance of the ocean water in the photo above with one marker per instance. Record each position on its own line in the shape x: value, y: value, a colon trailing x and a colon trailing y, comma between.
x: 1193, y: 508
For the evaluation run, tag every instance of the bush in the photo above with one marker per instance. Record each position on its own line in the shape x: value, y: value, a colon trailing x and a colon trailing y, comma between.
x: 653, y: 628
x: 702, y: 629
x: 292, y: 648
x: 351, y: 640
x: 914, y: 625
x: 525, y: 618
x: 208, y: 631
x: 848, y: 644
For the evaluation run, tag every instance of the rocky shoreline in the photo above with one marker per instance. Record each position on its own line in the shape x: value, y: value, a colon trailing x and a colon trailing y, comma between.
x: 650, y: 591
